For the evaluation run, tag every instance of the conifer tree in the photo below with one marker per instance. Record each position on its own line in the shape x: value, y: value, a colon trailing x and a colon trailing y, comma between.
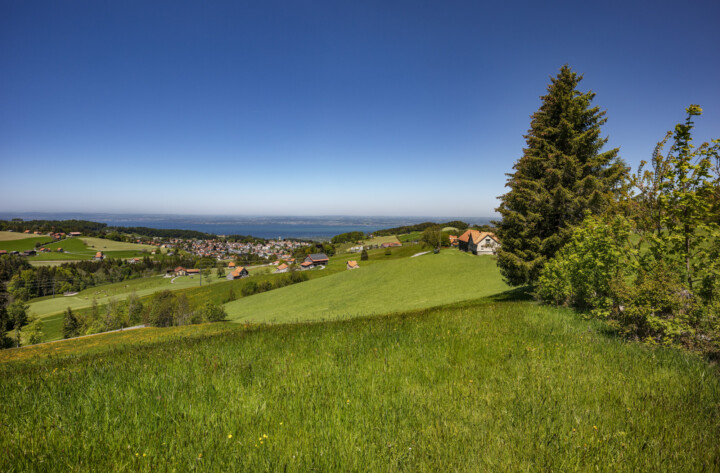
x: 562, y: 173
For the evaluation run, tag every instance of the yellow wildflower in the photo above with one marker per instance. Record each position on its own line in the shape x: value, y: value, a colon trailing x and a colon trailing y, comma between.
x: 229, y: 436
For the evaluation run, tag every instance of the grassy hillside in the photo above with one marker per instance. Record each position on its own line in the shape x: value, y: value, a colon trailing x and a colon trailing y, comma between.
x: 23, y: 243
x: 488, y: 385
x: 10, y: 236
x: 101, y: 244
x: 401, y: 284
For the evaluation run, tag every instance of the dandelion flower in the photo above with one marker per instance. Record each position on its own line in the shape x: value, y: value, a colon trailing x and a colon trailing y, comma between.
x: 229, y: 436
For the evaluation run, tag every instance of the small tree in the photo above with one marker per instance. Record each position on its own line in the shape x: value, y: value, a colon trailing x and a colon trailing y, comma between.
x: 71, y: 326
x: 220, y: 271
x: 18, y: 314
x: 134, y: 308
x: 34, y: 331
x: 364, y: 255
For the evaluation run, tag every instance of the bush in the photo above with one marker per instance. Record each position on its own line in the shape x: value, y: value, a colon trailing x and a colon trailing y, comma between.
x: 214, y: 312
x: 584, y: 271
x: 364, y: 255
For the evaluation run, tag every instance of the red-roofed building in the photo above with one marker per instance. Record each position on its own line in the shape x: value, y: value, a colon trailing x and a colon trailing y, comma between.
x: 478, y: 243
x: 352, y: 265
x: 99, y: 256
x: 238, y: 273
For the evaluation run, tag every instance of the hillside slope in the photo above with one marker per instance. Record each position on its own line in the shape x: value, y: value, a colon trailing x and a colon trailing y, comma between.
x: 482, y: 386
x: 398, y: 285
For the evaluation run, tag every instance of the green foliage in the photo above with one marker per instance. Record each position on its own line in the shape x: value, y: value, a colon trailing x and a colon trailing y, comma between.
x: 213, y: 312
x: 347, y: 237
x: 664, y: 289
x: 562, y: 173
x: 34, y: 331
x: 17, y: 313
x: 583, y: 271
x: 364, y: 255
x: 163, y: 307
x: 70, y: 326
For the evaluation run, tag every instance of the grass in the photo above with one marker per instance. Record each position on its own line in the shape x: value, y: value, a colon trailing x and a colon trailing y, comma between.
x: 402, y: 284
x: 380, y: 240
x: 412, y: 236
x: 9, y: 236
x: 100, y: 244
x: 51, y: 309
x: 75, y: 249
x: 483, y: 385
x: 23, y: 244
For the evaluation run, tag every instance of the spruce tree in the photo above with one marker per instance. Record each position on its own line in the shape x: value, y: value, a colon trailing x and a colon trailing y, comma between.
x: 563, y: 172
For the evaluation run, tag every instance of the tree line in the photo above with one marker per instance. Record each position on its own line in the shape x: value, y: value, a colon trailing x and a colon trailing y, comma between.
x: 639, y: 250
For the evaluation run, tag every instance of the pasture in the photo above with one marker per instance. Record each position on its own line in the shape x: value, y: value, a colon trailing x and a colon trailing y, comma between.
x: 487, y: 385
x: 11, y: 236
x: 380, y: 240
x: 22, y: 244
x: 101, y: 244
x: 51, y: 310
x: 400, y: 284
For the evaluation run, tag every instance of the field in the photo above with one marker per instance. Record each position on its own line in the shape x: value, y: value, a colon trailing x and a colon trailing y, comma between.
x: 85, y: 248
x: 10, y: 236
x: 100, y: 244
x: 380, y: 240
x: 51, y: 309
x: 402, y: 284
x: 22, y: 244
x: 484, y: 385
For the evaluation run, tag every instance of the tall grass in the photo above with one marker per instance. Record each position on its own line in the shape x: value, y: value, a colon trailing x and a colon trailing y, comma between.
x: 482, y: 386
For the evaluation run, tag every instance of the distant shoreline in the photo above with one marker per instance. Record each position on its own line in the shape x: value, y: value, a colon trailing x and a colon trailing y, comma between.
x: 268, y: 227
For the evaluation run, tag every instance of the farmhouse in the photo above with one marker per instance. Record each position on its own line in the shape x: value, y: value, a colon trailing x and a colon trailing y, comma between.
x: 352, y: 265
x: 180, y: 271
x: 306, y: 264
x: 190, y: 272
x: 391, y: 244
x: 74, y: 234
x: 99, y: 256
x: 282, y: 268
x: 316, y: 259
x: 231, y: 265
x: 238, y: 273
x: 478, y: 243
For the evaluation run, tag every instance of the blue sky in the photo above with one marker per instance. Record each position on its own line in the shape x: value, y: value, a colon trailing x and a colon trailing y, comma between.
x: 323, y: 108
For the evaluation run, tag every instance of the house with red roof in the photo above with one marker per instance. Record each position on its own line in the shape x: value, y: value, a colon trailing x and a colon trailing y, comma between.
x: 352, y: 265
x: 478, y: 243
x: 238, y: 273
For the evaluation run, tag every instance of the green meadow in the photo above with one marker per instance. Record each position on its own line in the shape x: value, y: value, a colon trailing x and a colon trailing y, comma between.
x: 400, y: 284
x: 493, y: 384
x: 22, y: 244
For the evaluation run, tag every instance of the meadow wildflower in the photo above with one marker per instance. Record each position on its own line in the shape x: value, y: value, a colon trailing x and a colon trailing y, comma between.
x: 229, y: 436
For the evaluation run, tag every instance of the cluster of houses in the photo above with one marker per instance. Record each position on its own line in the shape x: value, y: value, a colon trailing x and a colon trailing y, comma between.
x: 220, y: 249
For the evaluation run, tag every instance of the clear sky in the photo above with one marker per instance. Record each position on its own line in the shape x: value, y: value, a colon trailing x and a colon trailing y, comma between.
x: 319, y: 108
